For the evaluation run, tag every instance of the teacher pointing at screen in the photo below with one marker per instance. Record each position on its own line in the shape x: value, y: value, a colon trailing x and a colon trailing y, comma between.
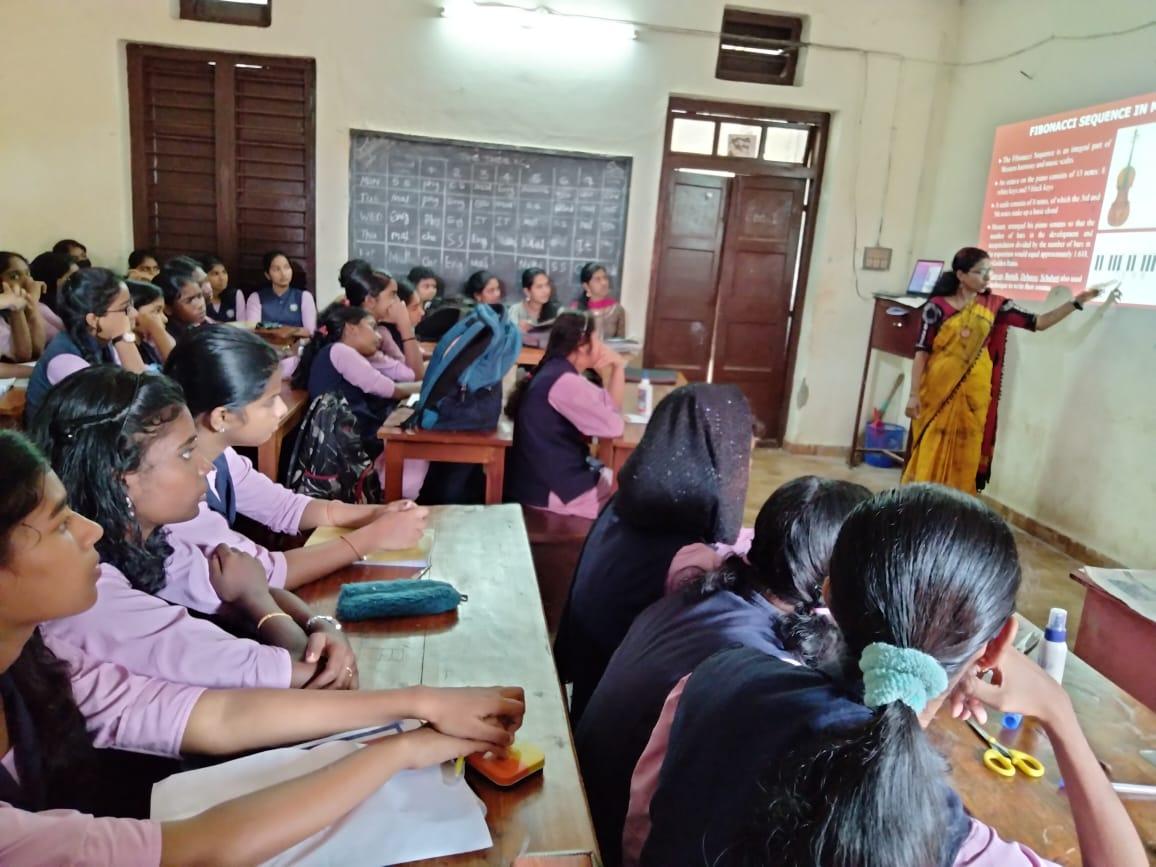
x: 955, y: 382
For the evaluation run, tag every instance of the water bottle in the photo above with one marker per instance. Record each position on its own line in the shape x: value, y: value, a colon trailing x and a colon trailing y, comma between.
x: 645, y: 398
x: 1054, y: 647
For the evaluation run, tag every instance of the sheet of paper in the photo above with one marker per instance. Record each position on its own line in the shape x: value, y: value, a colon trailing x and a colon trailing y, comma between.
x: 1136, y: 588
x: 415, y: 815
x: 418, y: 556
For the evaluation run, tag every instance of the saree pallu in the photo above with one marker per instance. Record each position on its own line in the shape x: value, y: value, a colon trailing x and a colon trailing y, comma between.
x: 954, y: 435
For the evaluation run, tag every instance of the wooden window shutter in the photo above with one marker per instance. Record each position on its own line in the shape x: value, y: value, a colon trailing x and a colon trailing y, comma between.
x: 223, y: 157
x: 748, y: 49
x: 273, y: 159
x: 174, y: 156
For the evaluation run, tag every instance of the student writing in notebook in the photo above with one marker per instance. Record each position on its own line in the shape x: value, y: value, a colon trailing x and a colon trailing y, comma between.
x: 776, y: 764
x: 125, y: 447
x: 279, y: 302
x: 555, y: 412
x: 232, y: 387
x: 59, y: 705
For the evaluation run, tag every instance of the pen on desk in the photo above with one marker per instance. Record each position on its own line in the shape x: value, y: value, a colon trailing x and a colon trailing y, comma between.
x: 459, y: 766
x: 1134, y: 790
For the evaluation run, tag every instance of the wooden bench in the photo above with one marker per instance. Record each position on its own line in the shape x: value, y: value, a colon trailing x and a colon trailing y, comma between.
x: 555, y: 544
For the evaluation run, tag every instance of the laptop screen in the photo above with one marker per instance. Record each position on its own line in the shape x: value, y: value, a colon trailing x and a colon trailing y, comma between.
x: 924, y: 275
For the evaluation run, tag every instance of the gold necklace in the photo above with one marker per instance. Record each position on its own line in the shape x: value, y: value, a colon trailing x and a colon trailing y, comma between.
x: 965, y: 330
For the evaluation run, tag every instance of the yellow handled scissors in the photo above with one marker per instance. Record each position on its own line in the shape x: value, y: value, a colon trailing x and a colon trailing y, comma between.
x: 1005, y: 760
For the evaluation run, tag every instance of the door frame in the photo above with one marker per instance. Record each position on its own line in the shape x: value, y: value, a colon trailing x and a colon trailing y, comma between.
x: 811, y: 169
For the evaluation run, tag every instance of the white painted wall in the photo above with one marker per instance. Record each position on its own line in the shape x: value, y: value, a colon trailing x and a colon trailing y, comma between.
x: 1078, y: 421
x: 395, y: 65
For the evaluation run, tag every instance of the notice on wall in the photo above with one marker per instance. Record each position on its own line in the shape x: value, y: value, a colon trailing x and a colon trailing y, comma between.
x: 1071, y: 199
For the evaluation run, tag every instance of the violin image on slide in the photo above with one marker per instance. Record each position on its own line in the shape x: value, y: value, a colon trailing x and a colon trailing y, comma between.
x: 1118, y: 213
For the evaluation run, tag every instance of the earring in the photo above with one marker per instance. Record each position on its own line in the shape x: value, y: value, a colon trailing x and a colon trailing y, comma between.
x: 131, y: 507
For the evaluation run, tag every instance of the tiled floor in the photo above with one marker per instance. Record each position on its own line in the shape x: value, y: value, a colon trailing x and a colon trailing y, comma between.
x: 1046, y: 583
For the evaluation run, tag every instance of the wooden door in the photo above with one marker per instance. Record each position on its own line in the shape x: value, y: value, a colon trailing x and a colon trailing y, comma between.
x: 682, y: 312
x: 756, y: 279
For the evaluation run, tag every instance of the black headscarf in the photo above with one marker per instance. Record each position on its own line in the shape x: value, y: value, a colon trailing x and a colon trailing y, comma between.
x: 686, y: 482
x: 689, y: 472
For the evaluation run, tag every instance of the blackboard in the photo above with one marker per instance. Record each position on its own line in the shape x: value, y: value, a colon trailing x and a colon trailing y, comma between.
x: 460, y: 207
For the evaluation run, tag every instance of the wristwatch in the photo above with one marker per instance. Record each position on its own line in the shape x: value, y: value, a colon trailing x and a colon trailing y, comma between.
x: 1077, y: 305
x: 127, y: 337
x: 322, y: 618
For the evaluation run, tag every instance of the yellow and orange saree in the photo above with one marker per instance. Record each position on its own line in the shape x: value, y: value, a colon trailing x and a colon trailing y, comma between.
x: 954, y: 435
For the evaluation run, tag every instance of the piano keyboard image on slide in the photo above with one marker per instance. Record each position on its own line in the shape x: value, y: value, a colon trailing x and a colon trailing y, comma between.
x: 1129, y: 257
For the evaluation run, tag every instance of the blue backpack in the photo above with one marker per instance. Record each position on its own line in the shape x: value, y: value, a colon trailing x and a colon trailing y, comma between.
x: 462, y: 387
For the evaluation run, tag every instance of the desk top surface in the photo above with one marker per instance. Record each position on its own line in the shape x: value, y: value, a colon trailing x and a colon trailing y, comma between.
x: 497, y: 637
x: 12, y: 402
x: 503, y: 436
x: 1036, y: 812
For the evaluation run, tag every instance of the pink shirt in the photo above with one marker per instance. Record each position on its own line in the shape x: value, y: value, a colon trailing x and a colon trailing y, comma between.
x: 5, y: 339
x: 389, y: 346
x: 187, y: 569
x: 308, y: 310
x: 150, y: 637
x: 67, y: 364
x: 981, y: 848
x: 123, y: 711
x: 259, y: 498
x: 591, y: 410
x: 53, y: 324
x: 695, y: 560
x: 373, y: 375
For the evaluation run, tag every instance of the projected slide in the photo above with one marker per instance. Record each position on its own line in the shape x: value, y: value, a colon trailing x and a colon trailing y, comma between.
x: 1071, y: 199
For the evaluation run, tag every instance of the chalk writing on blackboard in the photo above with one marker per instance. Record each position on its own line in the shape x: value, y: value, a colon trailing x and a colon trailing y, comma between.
x: 459, y: 207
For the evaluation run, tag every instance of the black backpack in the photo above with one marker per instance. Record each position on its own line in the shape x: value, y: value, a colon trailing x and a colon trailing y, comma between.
x: 329, y: 461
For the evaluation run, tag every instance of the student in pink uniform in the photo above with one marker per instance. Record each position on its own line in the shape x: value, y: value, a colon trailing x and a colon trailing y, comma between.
x: 556, y: 411
x: 24, y: 329
x: 376, y: 291
x: 125, y: 446
x: 774, y: 764
x: 58, y: 706
x: 344, y: 357
x: 232, y: 387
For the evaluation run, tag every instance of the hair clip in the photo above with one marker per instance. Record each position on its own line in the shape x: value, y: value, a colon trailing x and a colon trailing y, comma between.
x: 323, y: 331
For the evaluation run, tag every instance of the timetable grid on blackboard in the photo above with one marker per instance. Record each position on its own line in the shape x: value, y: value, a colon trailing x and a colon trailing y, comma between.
x: 459, y: 207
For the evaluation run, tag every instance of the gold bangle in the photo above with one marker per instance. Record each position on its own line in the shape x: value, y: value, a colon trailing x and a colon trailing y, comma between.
x: 261, y: 622
x: 352, y: 547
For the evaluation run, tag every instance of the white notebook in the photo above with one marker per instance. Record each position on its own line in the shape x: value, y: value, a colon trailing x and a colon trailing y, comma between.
x: 415, y: 815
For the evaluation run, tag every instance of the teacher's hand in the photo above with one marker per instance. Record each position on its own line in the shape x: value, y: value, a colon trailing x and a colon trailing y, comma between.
x: 1094, y: 292
x: 913, y: 407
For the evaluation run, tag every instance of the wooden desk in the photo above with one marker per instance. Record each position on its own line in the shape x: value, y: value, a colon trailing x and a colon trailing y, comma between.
x: 12, y: 408
x: 487, y: 448
x: 613, y: 453
x: 528, y: 357
x: 269, y: 452
x: 498, y: 637
x: 894, y: 330
x: 1036, y: 812
x: 1115, y: 638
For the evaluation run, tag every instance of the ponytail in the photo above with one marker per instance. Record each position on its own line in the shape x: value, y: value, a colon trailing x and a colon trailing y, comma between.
x: 572, y: 329
x: 921, y: 579
x: 334, y: 319
x: 789, y: 558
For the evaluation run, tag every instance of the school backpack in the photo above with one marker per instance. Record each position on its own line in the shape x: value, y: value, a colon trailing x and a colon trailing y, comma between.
x: 462, y: 386
x: 329, y: 460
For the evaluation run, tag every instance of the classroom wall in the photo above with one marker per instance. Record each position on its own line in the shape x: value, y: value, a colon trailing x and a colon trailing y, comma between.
x: 1078, y: 420
x: 395, y: 65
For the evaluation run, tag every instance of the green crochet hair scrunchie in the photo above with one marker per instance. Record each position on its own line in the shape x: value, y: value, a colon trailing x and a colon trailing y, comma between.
x: 903, y: 674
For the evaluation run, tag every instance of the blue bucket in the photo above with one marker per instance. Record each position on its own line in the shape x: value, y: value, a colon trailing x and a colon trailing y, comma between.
x: 892, y: 437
